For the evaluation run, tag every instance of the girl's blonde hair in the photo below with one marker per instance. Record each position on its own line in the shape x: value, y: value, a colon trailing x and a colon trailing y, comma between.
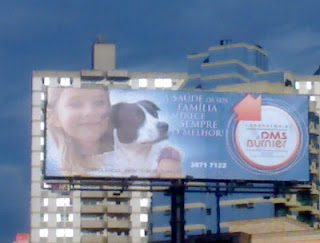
x: 72, y: 162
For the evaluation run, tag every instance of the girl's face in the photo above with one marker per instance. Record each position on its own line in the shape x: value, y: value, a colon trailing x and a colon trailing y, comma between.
x: 83, y: 113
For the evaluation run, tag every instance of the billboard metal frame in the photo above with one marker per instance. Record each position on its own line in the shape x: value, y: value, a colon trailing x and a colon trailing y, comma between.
x: 175, y: 187
x: 116, y: 178
x: 190, y: 185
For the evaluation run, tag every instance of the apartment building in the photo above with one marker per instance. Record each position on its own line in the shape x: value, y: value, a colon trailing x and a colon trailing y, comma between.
x: 62, y: 215
x: 59, y: 215
x: 241, y: 67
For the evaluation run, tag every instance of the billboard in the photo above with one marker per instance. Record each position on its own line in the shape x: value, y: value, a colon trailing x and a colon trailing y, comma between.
x: 94, y: 132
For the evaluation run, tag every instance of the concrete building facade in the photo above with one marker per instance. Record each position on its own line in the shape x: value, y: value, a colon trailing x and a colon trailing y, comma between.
x: 60, y: 215
x: 97, y: 216
x: 244, y: 68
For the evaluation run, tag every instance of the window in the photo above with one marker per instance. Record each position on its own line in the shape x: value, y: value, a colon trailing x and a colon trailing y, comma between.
x: 143, y: 83
x: 158, y: 82
x: 144, y: 202
x: 63, y: 202
x: 46, y: 185
x: 167, y: 83
x: 42, y: 141
x: 288, y: 83
x: 43, y: 97
x: 70, y: 217
x: 297, y: 85
x: 163, y: 82
x: 143, y: 217
x: 46, y: 81
x: 42, y: 125
x: 92, y: 201
x: 41, y: 156
x: 309, y: 85
x: 68, y: 232
x: 60, y: 233
x: 64, y: 233
x: 45, y: 202
x: 64, y: 217
x: 208, y: 211
x: 65, y: 81
x: 43, y: 232
x: 44, y: 217
x: 58, y: 217
x: 142, y: 233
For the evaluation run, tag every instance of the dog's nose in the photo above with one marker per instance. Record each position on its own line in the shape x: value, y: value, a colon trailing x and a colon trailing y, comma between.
x: 163, y: 126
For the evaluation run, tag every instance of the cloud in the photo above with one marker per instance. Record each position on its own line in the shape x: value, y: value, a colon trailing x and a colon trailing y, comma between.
x: 294, y: 49
x: 295, y: 41
x: 150, y: 36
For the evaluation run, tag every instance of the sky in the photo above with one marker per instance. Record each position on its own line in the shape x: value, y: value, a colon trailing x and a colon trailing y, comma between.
x: 149, y: 35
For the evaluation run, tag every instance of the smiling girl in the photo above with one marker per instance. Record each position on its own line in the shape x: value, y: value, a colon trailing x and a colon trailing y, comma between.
x: 78, y: 129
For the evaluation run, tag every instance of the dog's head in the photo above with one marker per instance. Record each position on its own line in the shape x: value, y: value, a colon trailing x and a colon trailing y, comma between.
x: 138, y: 123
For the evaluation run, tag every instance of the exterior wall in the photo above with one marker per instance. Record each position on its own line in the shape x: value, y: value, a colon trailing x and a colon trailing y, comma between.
x: 310, y: 85
x: 228, y: 64
x: 96, y: 216
x: 104, y: 56
x: 45, y: 214
x: 229, y: 68
x: 271, y: 225
x: 276, y: 230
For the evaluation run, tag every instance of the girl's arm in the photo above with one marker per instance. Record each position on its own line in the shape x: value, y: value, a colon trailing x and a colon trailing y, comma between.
x: 169, y: 164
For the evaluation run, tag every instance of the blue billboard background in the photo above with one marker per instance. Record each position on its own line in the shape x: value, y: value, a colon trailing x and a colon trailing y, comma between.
x: 216, y: 140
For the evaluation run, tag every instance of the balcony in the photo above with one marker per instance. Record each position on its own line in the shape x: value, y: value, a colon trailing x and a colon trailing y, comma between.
x: 316, y: 225
x: 118, y: 239
x: 312, y: 107
x: 313, y: 168
x: 92, y: 224
x: 114, y: 223
x: 292, y: 201
x: 100, y: 208
x: 313, y: 129
x: 188, y: 227
x: 93, y: 194
x: 305, y: 185
x: 195, y: 205
x: 314, y: 189
x: 313, y: 149
x: 118, y: 194
x: 118, y: 208
x: 93, y: 238
x: 305, y: 208
x: 162, y: 208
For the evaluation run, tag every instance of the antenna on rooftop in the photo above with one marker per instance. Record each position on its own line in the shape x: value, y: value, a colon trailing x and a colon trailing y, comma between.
x: 225, y: 42
x: 101, y: 40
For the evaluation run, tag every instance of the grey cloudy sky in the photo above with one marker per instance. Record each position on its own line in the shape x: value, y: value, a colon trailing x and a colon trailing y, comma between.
x: 150, y: 36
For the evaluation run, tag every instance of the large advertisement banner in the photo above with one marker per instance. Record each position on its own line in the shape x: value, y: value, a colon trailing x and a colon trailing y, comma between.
x: 94, y: 132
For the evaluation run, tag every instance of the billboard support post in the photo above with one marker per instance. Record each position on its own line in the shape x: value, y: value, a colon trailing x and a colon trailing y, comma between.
x: 218, y: 195
x: 177, y: 212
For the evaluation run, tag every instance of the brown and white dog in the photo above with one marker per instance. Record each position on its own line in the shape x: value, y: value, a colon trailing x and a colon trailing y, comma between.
x: 139, y: 137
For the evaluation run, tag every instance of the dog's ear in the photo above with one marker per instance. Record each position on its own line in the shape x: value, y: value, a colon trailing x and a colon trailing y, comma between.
x: 151, y: 107
x: 115, y: 114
